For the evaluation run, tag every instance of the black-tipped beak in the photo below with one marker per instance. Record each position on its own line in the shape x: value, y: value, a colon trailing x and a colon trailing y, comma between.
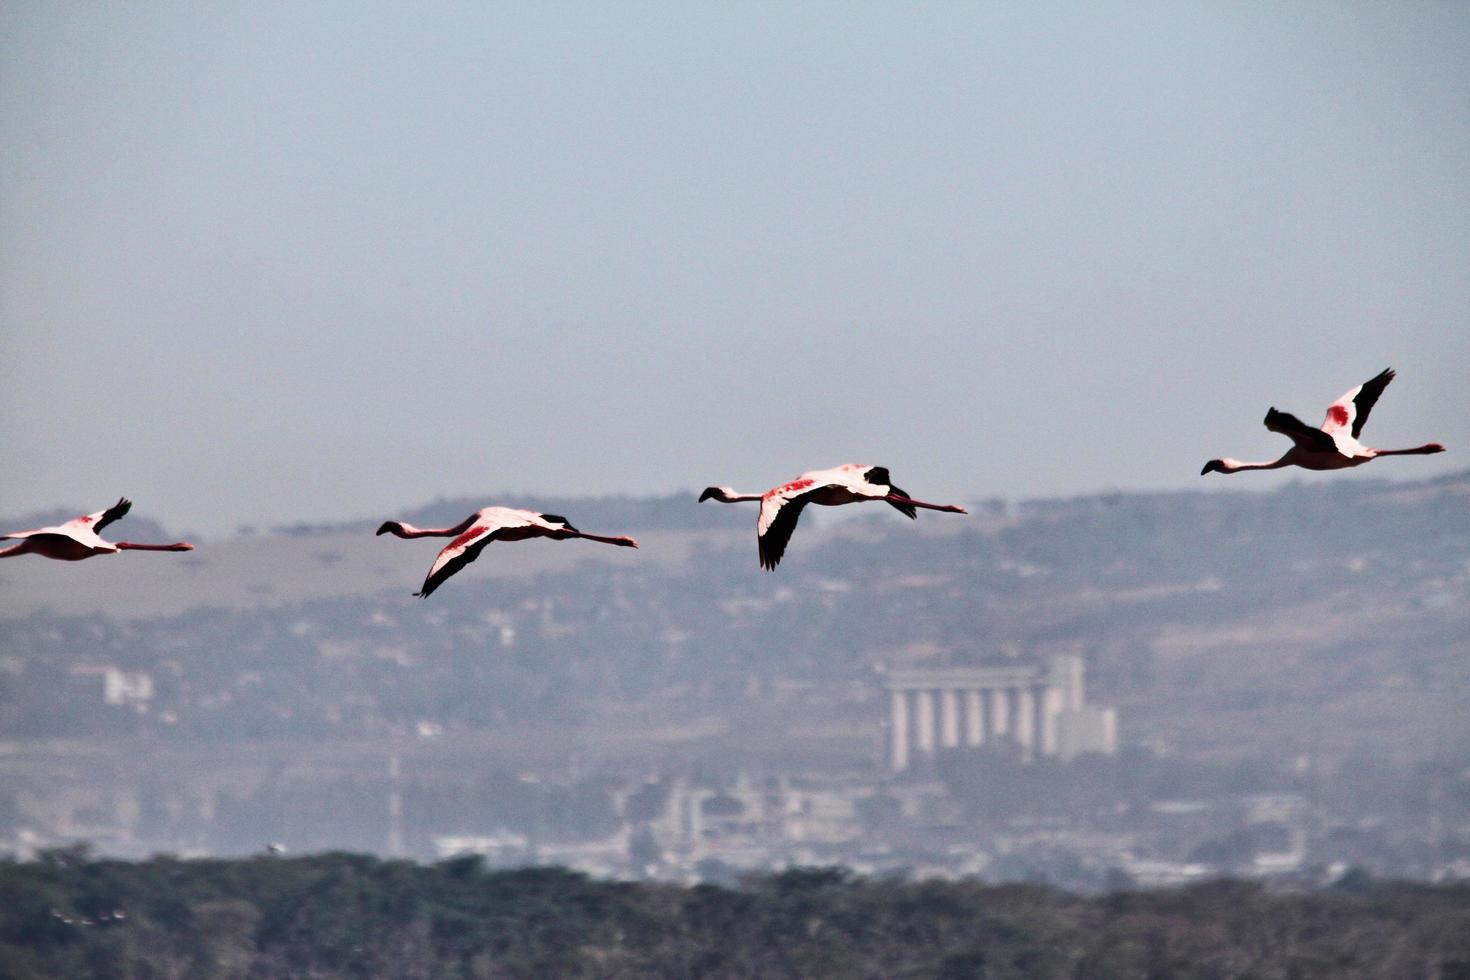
x: 708, y: 493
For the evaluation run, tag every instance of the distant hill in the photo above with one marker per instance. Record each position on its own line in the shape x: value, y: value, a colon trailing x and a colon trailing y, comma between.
x: 1325, y: 618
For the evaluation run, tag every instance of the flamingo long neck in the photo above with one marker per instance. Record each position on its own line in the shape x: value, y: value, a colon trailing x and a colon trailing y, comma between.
x: 731, y: 497
x: 176, y: 546
x: 1235, y: 466
x: 402, y: 530
x: 409, y: 531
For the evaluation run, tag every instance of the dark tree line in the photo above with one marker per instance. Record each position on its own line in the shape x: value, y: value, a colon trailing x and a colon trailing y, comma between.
x: 344, y: 915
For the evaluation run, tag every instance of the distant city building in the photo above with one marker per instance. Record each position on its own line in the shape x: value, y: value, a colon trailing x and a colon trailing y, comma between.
x: 1040, y: 712
x: 119, y: 686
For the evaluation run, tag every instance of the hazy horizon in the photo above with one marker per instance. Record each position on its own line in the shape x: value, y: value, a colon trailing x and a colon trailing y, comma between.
x: 310, y: 264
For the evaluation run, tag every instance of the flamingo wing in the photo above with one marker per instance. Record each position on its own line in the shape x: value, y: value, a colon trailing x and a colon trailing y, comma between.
x: 450, y: 561
x: 1350, y: 412
x: 466, y: 548
x: 80, y: 529
x: 780, y: 510
x: 106, y: 517
x: 1299, y: 432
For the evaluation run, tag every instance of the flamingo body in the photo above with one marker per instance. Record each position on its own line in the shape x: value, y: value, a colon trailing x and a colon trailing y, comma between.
x: 484, y: 526
x: 78, y: 538
x: 849, y: 483
x: 1335, y: 444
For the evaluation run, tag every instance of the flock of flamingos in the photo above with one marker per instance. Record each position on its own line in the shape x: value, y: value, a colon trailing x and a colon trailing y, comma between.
x: 1332, y: 446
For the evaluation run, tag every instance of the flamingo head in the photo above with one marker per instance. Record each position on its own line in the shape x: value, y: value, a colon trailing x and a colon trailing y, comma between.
x: 1213, y: 466
x: 718, y: 493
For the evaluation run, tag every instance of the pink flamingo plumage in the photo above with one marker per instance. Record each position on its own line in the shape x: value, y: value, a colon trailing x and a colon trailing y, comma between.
x: 849, y: 483
x: 1335, y: 445
x: 79, y: 538
x: 472, y: 534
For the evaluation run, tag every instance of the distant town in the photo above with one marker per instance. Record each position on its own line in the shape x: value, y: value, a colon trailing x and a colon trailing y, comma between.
x: 989, y: 703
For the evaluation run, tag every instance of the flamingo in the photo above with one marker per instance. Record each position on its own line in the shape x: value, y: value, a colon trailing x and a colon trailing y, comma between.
x: 472, y: 534
x: 78, y: 538
x: 850, y: 483
x: 1335, y: 445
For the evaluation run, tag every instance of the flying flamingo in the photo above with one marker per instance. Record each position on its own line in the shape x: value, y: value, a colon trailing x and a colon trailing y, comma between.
x: 78, y: 538
x: 850, y: 483
x: 1335, y: 446
x: 472, y: 534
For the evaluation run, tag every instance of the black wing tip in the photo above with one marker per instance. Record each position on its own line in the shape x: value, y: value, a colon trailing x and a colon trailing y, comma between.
x: 115, y: 512
x: 1367, y: 397
x: 1374, y: 386
x: 907, y: 510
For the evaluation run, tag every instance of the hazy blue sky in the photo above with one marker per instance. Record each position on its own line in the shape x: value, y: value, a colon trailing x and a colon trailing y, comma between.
x: 274, y: 262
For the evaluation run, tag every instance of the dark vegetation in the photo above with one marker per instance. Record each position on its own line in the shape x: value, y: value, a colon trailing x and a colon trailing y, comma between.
x: 345, y: 915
